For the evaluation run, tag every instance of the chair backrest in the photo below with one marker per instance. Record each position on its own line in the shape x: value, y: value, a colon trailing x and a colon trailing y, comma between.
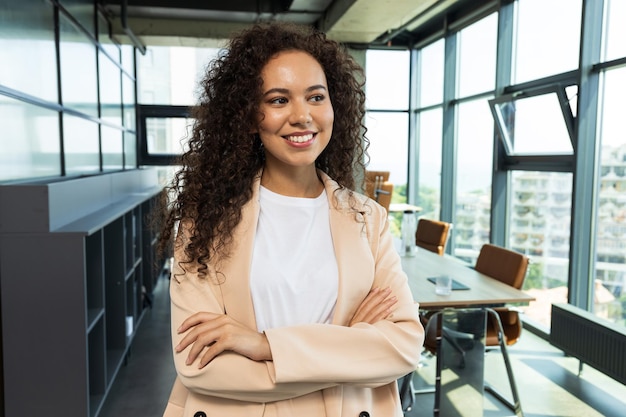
x: 432, y: 235
x: 374, y: 180
x: 378, y: 187
x: 502, y: 264
x: 372, y: 175
x: 385, y: 191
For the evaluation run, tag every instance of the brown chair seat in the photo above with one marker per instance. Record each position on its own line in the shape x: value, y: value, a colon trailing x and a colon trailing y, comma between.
x: 432, y: 235
x: 511, y: 327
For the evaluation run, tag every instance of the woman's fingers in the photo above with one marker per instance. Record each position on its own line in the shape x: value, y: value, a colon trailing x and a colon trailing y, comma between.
x: 196, y: 319
x: 378, y: 305
x: 218, y: 333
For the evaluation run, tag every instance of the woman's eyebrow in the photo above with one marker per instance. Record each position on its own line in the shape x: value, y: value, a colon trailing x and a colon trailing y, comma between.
x: 279, y: 90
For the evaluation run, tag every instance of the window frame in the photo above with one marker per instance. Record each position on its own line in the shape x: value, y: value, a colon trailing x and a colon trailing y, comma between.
x: 145, y: 111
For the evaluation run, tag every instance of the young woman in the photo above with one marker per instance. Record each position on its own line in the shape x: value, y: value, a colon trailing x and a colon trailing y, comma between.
x: 288, y: 298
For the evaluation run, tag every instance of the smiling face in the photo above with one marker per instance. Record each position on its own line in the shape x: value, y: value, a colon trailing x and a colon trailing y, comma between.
x: 296, y: 114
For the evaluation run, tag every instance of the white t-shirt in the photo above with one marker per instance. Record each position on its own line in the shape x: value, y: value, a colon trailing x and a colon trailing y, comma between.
x: 294, y: 276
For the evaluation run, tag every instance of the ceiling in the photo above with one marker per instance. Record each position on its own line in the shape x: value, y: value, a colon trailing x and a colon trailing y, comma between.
x: 209, y: 22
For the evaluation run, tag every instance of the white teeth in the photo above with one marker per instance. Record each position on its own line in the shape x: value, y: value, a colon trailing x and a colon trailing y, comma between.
x: 300, y: 139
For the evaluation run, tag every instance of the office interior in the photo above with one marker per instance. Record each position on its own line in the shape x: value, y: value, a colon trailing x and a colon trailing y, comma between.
x: 503, y: 118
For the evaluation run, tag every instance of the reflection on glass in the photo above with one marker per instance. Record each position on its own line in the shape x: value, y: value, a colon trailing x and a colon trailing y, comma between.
x: 171, y: 75
x: 388, y: 135
x: 548, y: 38
x: 83, y: 12
x: 111, y: 48
x: 534, y: 126
x: 431, y: 74
x: 167, y: 135
x: 78, y: 69
x: 540, y: 228
x: 614, y: 47
x: 387, y: 74
x: 80, y: 138
x: 429, y: 164
x: 128, y: 59
x: 128, y: 102
x: 477, y: 69
x: 25, y: 26
x: 473, y: 177
x: 110, y: 90
x: 610, y: 267
x: 130, y: 150
x: 29, y: 139
x: 112, y: 148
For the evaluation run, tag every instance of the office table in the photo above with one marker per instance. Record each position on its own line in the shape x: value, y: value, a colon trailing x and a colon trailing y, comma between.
x: 482, y: 291
x: 460, y: 308
x: 401, y: 207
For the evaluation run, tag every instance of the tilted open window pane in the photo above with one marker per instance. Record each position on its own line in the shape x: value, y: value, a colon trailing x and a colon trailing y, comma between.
x: 535, y: 123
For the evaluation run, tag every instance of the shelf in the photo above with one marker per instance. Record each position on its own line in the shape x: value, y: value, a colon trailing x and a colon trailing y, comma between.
x: 89, y: 270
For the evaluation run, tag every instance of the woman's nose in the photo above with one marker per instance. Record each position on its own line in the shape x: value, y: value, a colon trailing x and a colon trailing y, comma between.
x: 301, y: 114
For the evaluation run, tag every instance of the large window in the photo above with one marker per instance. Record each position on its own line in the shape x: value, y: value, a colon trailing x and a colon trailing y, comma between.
x: 539, y: 227
x: 388, y: 135
x: 429, y: 135
x: 609, y: 292
x: 169, y: 84
x: 170, y: 75
x: 61, y: 99
x: 429, y: 166
x: 476, y: 74
x: 548, y: 38
x: 473, y: 179
x: 387, y: 101
x: 507, y: 169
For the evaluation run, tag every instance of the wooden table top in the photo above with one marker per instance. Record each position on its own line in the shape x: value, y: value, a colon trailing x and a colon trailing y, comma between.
x: 483, y: 290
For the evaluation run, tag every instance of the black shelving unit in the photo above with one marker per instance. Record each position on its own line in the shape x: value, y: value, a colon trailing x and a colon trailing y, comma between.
x: 77, y: 258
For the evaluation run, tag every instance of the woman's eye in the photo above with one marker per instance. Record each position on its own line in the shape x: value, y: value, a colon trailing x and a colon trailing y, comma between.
x: 317, y: 97
x: 278, y: 100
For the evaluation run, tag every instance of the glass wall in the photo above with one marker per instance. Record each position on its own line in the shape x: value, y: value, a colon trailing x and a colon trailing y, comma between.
x: 61, y: 103
x: 387, y: 101
x: 548, y: 38
x: 473, y: 180
x: 609, y: 293
x: 512, y: 183
x: 387, y: 120
x: 429, y: 121
x: 169, y: 78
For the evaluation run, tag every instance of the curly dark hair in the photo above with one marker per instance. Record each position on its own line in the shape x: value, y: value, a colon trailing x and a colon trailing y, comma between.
x: 224, y: 158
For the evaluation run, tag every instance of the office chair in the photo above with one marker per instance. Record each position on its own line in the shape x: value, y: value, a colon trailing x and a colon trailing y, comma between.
x: 378, y: 187
x: 439, y: 328
x: 432, y: 235
x: 504, y: 326
x: 508, y: 267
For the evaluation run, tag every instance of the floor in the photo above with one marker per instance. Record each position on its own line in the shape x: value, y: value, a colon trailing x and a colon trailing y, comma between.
x: 547, y: 381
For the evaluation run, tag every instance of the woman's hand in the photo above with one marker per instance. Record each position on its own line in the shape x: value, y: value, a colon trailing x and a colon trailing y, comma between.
x: 219, y: 333
x: 378, y: 305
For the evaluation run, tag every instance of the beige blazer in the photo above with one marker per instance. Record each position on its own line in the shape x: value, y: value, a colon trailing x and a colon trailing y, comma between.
x: 317, y: 370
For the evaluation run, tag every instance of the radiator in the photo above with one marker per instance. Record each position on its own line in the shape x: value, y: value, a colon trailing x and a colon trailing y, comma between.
x: 594, y: 341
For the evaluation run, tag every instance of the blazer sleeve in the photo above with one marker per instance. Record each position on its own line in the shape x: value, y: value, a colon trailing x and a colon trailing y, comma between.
x: 364, y: 354
x: 229, y: 375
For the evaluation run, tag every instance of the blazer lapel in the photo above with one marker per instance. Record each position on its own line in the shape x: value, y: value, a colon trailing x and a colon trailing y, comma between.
x: 352, y: 251
x: 236, y: 269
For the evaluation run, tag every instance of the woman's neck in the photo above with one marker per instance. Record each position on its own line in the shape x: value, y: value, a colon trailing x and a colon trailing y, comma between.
x: 302, y: 182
